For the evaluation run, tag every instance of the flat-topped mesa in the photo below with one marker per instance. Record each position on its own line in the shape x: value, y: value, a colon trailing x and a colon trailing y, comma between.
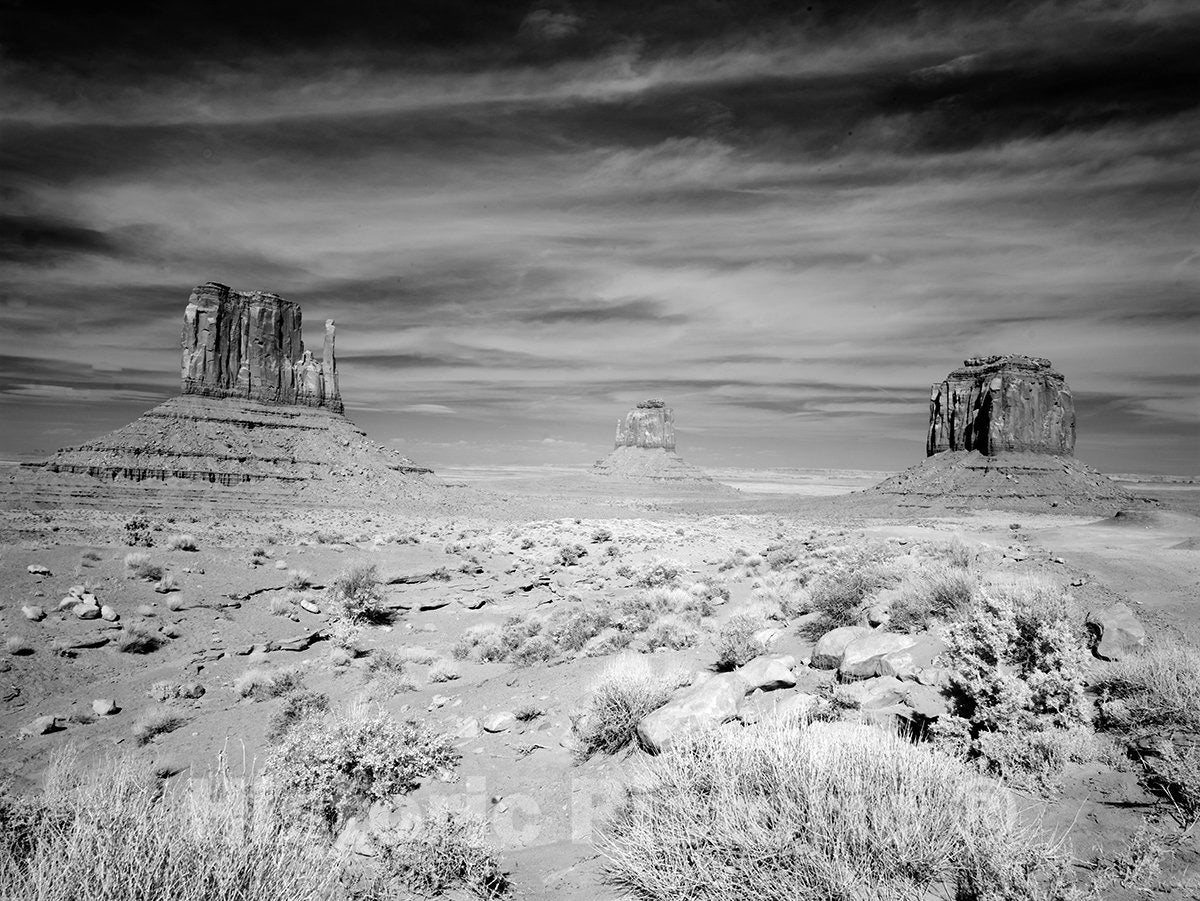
x: 650, y: 424
x: 1002, y: 404
x: 250, y: 345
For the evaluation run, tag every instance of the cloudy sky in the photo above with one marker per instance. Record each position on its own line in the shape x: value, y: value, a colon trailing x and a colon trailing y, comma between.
x: 787, y: 219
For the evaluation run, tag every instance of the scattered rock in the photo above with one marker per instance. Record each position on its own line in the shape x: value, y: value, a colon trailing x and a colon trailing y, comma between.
x: 308, y: 605
x: 77, y: 591
x: 499, y: 722
x: 863, y: 657
x: 107, y: 613
x: 33, y: 613
x: 86, y: 611
x: 36, y: 569
x: 467, y: 729
x: 704, y: 705
x: 44, y: 725
x: 1118, y: 632
x: 908, y: 662
x: 95, y: 641
x: 869, y: 694
x: 104, y: 707
x: 68, y: 601
x: 769, y: 673
x: 830, y: 647
x: 147, y: 610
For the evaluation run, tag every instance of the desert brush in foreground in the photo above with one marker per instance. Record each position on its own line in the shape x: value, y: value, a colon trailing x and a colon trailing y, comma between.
x: 789, y: 810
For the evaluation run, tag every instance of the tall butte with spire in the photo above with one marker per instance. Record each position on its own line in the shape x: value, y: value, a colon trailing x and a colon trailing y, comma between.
x: 255, y: 407
x: 1001, y: 435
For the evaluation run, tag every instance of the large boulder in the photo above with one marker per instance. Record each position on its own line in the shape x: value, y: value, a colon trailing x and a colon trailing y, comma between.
x: 908, y: 662
x: 862, y: 658
x: 1117, y: 631
x: 769, y: 673
x: 704, y: 705
x: 832, y: 645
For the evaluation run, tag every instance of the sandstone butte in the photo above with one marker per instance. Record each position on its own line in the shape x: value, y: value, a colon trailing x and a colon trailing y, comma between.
x: 644, y: 449
x: 255, y: 407
x: 1001, y: 435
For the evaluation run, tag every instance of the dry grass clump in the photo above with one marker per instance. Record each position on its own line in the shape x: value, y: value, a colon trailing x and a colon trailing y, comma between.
x: 156, y: 721
x: 839, y: 595
x: 166, y: 584
x: 784, y: 592
x: 658, y: 573
x: 784, y: 810
x: 673, y: 632
x: 626, y: 690
x: 1157, y: 689
x: 297, y: 707
x: 259, y: 684
x: 355, y: 595
x: 182, y: 542
x: 137, y: 638
x: 449, y: 851
x: 110, y: 833
x: 443, y: 671
x: 933, y: 594
x: 299, y: 579
x: 737, y: 643
x: 140, y: 566
x: 338, y: 765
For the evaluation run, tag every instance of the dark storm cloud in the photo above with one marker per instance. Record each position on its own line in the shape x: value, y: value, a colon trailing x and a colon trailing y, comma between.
x: 539, y: 212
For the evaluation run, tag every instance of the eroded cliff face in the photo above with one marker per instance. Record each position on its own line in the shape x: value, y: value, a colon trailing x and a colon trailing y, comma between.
x: 1002, y: 404
x: 650, y: 424
x: 249, y: 345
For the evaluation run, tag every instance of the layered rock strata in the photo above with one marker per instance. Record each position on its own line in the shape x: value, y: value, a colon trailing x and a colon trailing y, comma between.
x: 250, y: 345
x: 650, y: 424
x: 1002, y: 404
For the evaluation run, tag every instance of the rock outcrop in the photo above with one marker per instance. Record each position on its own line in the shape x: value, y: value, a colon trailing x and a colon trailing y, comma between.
x: 650, y: 424
x: 1002, y: 404
x: 250, y: 345
x: 1001, y: 436
x: 256, y: 409
x: 644, y: 449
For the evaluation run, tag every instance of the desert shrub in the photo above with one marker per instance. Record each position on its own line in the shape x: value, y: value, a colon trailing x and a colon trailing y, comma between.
x: 626, y: 690
x: 1157, y: 689
x: 355, y: 596
x: 297, y: 706
x: 92, y: 556
x: 109, y: 831
x: 261, y: 684
x: 672, y: 632
x: 658, y: 573
x: 182, y: 542
x: 1033, y: 761
x: 138, y: 533
x: 384, y: 660
x: 954, y: 552
x: 1174, y: 773
x: 1016, y: 658
x: 140, y: 566
x: 736, y: 641
x: 570, y: 554
x: 448, y: 851
x: 337, y: 765
x: 783, y: 810
x: 839, y: 595
x: 933, y: 594
x: 481, y: 642
x: 156, y: 721
x: 299, y: 579
x: 779, y: 557
x: 535, y: 649
x: 443, y: 671
x: 601, y: 536
x: 782, y: 591
x: 527, y: 713
x: 18, y: 645
x: 418, y: 655
x: 138, y: 639
x: 640, y: 611
x: 572, y: 628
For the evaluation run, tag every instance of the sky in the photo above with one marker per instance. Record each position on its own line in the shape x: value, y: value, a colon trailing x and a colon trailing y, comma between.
x: 786, y: 219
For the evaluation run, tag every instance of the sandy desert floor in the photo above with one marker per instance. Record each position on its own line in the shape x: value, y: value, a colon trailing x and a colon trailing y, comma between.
x: 500, y: 556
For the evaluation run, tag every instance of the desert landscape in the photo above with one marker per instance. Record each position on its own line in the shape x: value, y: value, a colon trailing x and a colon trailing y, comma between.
x: 243, y: 640
x: 553, y: 450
